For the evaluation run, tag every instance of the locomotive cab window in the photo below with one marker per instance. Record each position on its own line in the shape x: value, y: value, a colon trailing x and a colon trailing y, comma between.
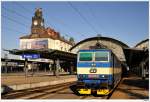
x: 102, y: 56
x: 85, y: 56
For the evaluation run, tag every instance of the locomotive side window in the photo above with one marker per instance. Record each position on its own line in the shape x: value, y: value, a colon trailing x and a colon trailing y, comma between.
x: 101, y: 56
x: 85, y: 56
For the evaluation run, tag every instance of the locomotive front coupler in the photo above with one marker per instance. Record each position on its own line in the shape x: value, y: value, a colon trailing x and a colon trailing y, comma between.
x: 80, y: 84
x: 104, y: 85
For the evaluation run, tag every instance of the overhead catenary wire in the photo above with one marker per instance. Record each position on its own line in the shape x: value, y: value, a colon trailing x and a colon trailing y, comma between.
x: 80, y: 14
x: 21, y: 6
x: 66, y: 25
x: 18, y: 14
x: 57, y: 20
x: 15, y: 21
x: 14, y: 12
x: 30, y: 11
x: 11, y: 29
x: 93, y: 16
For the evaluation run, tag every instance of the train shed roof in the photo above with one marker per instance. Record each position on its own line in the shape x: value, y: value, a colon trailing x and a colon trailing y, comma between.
x: 134, y: 56
x: 143, y: 41
x: 46, y: 53
x: 99, y: 38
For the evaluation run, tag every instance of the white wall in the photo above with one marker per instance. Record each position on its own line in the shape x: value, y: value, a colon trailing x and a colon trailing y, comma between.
x: 52, y: 44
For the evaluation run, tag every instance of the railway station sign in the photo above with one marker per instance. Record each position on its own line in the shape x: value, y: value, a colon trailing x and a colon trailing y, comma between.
x: 31, y: 56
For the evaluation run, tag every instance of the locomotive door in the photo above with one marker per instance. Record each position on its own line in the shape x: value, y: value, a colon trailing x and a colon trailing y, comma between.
x: 92, y: 66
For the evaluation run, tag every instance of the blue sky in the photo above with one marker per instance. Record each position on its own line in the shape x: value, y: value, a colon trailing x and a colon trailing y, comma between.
x: 125, y: 21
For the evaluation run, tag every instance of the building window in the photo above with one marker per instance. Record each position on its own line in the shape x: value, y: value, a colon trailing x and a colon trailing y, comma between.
x: 61, y: 48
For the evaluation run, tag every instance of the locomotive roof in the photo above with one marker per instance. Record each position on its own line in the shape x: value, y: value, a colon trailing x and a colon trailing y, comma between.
x: 90, y: 50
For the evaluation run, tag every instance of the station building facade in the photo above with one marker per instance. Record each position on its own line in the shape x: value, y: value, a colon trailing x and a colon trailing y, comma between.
x: 43, y: 38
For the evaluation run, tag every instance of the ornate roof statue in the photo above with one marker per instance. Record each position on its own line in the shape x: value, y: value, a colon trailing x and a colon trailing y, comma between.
x: 38, y: 12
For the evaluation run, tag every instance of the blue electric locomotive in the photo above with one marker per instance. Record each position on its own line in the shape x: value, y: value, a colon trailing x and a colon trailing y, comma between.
x: 98, y: 70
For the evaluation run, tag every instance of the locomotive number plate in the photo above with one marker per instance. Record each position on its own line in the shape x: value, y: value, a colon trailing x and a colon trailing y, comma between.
x: 92, y: 76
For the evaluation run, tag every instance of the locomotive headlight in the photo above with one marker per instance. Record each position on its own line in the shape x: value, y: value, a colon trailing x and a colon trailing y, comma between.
x: 80, y: 76
x: 104, y: 76
x: 93, y: 64
x: 93, y: 70
x: 84, y: 76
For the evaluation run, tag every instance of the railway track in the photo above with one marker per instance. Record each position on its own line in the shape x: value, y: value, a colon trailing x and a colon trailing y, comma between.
x: 48, y: 92
x: 27, y: 92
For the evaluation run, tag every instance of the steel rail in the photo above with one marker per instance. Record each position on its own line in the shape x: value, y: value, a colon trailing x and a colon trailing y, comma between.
x: 21, y: 93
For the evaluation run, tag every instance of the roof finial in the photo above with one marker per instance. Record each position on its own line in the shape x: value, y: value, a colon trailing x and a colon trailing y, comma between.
x: 38, y: 12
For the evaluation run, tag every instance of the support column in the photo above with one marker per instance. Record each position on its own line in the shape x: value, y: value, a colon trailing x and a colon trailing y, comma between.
x: 37, y: 70
x: 6, y: 57
x: 45, y: 68
x: 143, y: 70
x: 26, y: 67
x: 71, y: 68
x: 6, y: 67
x: 33, y: 67
x: 11, y: 69
x: 50, y: 67
x: 54, y: 67
x: 57, y: 67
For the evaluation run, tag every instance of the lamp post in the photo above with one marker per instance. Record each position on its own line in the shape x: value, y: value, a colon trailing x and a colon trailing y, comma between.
x: 26, y: 67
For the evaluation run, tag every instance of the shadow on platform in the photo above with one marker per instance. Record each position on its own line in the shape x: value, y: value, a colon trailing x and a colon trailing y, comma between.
x: 5, y: 89
x: 137, y: 95
x: 136, y: 88
x: 73, y: 88
x: 137, y: 83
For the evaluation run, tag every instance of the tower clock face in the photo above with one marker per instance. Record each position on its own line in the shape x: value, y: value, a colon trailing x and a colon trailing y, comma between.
x: 35, y: 22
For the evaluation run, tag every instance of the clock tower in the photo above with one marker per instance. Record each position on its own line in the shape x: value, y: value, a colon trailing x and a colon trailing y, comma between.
x: 37, y: 26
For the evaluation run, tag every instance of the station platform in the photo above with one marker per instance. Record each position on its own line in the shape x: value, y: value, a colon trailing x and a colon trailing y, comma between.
x: 132, y: 87
x: 18, y: 81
